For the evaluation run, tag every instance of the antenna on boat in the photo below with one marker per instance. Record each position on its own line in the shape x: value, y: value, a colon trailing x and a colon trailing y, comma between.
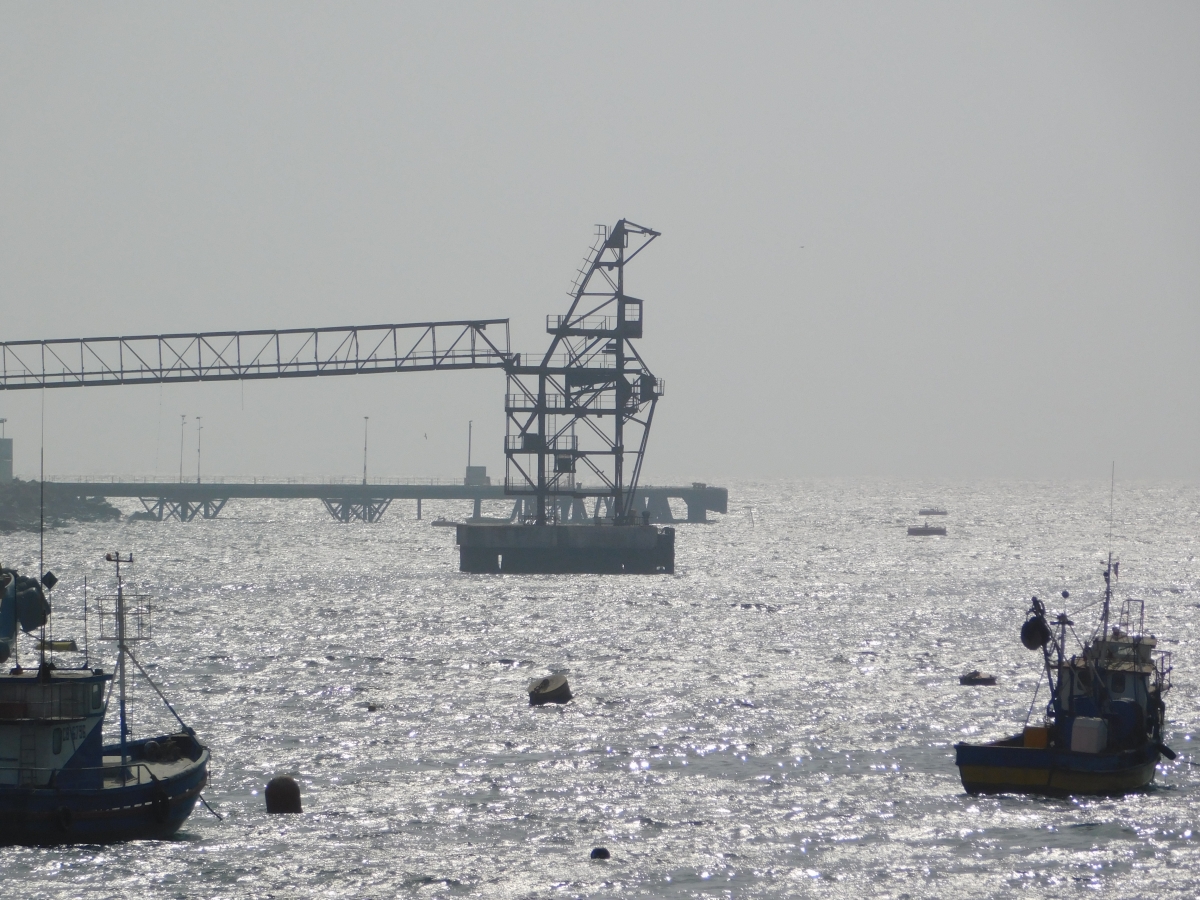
x: 1112, y: 489
x: 1108, y: 570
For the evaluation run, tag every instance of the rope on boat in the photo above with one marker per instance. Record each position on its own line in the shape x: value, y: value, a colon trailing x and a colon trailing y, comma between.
x: 1034, y: 700
x: 161, y: 695
x: 220, y: 818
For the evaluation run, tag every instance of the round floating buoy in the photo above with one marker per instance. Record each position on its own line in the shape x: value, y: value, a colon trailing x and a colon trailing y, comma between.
x: 551, y: 689
x: 601, y: 853
x: 283, y: 795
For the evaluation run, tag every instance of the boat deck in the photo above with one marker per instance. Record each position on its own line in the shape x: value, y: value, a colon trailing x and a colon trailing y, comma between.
x: 141, y: 771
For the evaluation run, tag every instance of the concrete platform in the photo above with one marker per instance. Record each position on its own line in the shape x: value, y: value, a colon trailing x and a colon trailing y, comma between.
x: 578, y: 549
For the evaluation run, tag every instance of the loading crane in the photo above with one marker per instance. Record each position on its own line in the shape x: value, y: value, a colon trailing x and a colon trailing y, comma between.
x: 590, y: 394
x: 576, y: 410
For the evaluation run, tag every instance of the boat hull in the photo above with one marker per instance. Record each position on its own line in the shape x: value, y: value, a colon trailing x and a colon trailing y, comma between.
x: 147, y: 810
x: 1008, y: 768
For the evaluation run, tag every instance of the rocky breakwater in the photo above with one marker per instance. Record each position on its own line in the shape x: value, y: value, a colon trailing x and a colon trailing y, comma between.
x: 20, y: 507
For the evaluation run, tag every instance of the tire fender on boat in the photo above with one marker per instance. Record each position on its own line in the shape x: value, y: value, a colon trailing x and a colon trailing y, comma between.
x: 160, y: 804
x: 62, y: 818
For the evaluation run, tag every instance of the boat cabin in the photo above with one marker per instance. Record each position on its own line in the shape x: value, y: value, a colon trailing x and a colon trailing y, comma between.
x: 1115, y: 678
x: 50, y: 721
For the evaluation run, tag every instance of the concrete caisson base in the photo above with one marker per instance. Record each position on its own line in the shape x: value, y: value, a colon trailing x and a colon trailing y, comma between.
x: 580, y: 549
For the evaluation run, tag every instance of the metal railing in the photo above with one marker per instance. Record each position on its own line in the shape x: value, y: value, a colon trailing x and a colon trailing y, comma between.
x: 49, y: 701
x: 558, y: 403
x: 530, y: 443
x: 248, y: 479
x: 564, y: 362
x: 135, y: 773
x: 554, y: 324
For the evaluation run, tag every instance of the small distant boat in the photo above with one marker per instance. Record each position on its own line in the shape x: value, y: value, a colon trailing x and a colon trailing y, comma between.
x: 926, y: 530
x: 1103, y: 729
x: 975, y: 677
x: 58, y: 783
x: 932, y: 511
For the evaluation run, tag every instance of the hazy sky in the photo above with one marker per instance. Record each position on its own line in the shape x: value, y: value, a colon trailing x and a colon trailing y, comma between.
x: 898, y: 239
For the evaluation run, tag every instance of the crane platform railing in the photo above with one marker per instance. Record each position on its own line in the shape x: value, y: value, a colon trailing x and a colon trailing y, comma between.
x: 233, y: 355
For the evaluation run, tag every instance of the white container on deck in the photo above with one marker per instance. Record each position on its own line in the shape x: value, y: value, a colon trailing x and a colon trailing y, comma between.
x: 1089, y: 735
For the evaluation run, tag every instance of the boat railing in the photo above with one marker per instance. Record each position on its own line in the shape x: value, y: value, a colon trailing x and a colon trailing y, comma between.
x: 1162, y: 664
x: 1132, y: 609
x: 139, y: 617
x: 43, y: 776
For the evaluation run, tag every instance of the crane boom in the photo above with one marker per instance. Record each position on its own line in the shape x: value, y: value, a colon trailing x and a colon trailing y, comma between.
x: 232, y: 355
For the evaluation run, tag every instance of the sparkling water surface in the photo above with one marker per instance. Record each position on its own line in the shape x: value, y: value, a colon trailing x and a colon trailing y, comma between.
x: 774, y: 720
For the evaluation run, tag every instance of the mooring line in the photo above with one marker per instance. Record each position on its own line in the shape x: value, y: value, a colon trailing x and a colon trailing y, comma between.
x: 220, y: 818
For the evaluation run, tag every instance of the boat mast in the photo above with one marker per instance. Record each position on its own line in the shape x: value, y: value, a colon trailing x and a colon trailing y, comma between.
x: 1107, y: 598
x: 116, y: 557
x: 1112, y: 492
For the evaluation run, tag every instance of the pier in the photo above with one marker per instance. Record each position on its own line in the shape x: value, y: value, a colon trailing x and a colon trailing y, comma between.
x: 349, y: 501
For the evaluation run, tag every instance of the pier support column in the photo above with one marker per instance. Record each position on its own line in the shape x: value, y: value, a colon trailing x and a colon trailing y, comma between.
x: 478, y: 508
x: 418, y: 509
x: 355, y: 511
x: 660, y: 509
x: 156, y: 508
x: 183, y: 510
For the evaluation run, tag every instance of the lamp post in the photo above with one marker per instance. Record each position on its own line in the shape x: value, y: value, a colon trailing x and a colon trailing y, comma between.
x: 199, y: 429
x: 182, y: 422
x: 366, y: 422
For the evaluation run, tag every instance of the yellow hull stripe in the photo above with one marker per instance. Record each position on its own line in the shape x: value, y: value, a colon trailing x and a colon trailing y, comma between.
x: 998, y: 777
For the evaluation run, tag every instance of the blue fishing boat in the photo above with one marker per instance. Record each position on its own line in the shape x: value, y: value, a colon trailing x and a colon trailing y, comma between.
x: 59, y: 783
x: 1103, y: 727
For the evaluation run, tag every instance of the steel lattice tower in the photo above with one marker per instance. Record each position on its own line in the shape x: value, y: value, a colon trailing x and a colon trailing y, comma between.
x: 590, y: 398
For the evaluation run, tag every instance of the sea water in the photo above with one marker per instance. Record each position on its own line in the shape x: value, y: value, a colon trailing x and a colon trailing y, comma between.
x: 776, y: 719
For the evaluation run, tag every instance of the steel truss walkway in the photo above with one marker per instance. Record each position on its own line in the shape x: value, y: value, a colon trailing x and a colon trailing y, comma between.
x: 232, y: 355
